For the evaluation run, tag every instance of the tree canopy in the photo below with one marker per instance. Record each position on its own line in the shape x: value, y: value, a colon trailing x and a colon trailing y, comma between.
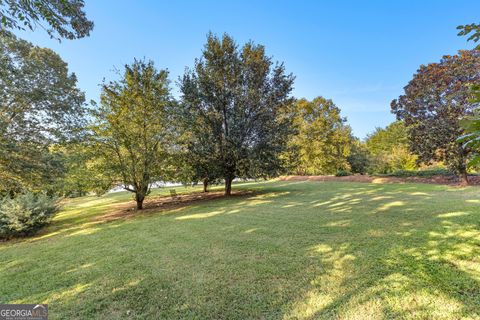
x: 132, y: 129
x: 385, y: 139
x: 322, y: 142
x: 389, y: 149
x: 434, y: 101
x: 40, y: 105
x: 59, y: 18
x: 240, y: 97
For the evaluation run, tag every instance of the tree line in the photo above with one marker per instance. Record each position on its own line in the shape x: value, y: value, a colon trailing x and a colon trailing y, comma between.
x: 235, y: 118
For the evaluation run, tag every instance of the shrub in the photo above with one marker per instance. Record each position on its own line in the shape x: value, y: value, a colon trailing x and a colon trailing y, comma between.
x: 342, y: 173
x: 25, y: 214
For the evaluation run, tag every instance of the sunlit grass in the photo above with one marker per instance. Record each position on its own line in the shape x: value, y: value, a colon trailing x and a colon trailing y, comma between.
x: 291, y: 250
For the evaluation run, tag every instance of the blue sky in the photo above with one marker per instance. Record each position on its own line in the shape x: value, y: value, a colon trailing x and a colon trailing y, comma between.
x: 360, y: 54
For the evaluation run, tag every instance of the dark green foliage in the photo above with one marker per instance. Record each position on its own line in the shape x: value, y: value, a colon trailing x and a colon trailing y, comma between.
x: 198, y: 157
x: 471, y: 124
x: 66, y: 18
x: 342, y: 173
x: 359, y: 157
x: 238, y: 102
x: 25, y: 214
x: 434, y: 101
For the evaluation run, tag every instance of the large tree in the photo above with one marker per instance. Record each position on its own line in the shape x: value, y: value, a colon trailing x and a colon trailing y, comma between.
x: 40, y: 105
x: 59, y: 18
x: 132, y: 129
x: 322, y: 142
x: 434, y: 101
x: 240, y: 97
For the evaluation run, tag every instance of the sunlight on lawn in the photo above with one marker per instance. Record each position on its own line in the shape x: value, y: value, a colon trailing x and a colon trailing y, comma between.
x: 200, y: 215
x: 290, y: 251
x: 392, y: 204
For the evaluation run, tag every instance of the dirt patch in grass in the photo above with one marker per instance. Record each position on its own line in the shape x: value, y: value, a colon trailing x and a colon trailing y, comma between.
x: 162, y: 203
x: 445, y: 180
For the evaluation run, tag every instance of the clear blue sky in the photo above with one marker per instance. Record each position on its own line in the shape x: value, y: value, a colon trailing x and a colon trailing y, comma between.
x: 358, y: 53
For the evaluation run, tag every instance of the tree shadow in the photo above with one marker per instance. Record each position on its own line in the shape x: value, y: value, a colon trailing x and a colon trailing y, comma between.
x: 292, y: 251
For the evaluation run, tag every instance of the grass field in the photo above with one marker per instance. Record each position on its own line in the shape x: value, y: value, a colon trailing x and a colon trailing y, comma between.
x: 293, y: 250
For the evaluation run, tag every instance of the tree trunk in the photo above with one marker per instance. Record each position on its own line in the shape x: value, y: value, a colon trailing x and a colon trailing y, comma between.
x: 139, y: 199
x: 464, y: 177
x: 228, y: 185
x: 205, y: 185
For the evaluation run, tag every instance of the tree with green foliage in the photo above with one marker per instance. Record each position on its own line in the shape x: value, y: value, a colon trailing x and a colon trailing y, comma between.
x: 77, y: 180
x: 471, y: 30
x: 198, y: 156
x: 434, y: 101
x: 132, y: 129
x: 240, y: 98
x: 359, y: 157
x: 385, y: 139
x: 389, y: 149
x: 471, y: 124
x: 322, y: 142
x: 64, y: 18
x: 40, y: 106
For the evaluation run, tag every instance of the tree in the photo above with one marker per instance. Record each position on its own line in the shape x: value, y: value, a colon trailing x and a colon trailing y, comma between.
x: 472, y: 31
x: 240, y: 98
x: 199, y: 158
x: 198, y: 143
x: 471, y: 125
x: 131, y: 129
x: 385, y: 139
x: 40, y: 105
x: 65, y: 18
x: 322, y: 142
x: 359, y: 157
x: 434, y: 101
x: 389, y: 149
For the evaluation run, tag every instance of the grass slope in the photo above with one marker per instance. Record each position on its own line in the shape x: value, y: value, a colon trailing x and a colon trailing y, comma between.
x: 295, y: 250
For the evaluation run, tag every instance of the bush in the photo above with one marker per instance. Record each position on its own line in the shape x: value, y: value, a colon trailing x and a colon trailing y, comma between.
x: 25, y: 214
x: 342, y: 173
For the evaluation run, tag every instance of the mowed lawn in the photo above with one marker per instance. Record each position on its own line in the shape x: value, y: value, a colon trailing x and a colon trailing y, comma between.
x: 292, y: 250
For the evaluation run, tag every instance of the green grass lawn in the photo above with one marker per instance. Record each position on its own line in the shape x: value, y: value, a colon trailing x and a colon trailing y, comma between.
x: 294, y: 250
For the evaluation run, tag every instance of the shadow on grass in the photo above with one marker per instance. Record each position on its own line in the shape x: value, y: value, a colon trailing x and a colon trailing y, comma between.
x: 294, y: 251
